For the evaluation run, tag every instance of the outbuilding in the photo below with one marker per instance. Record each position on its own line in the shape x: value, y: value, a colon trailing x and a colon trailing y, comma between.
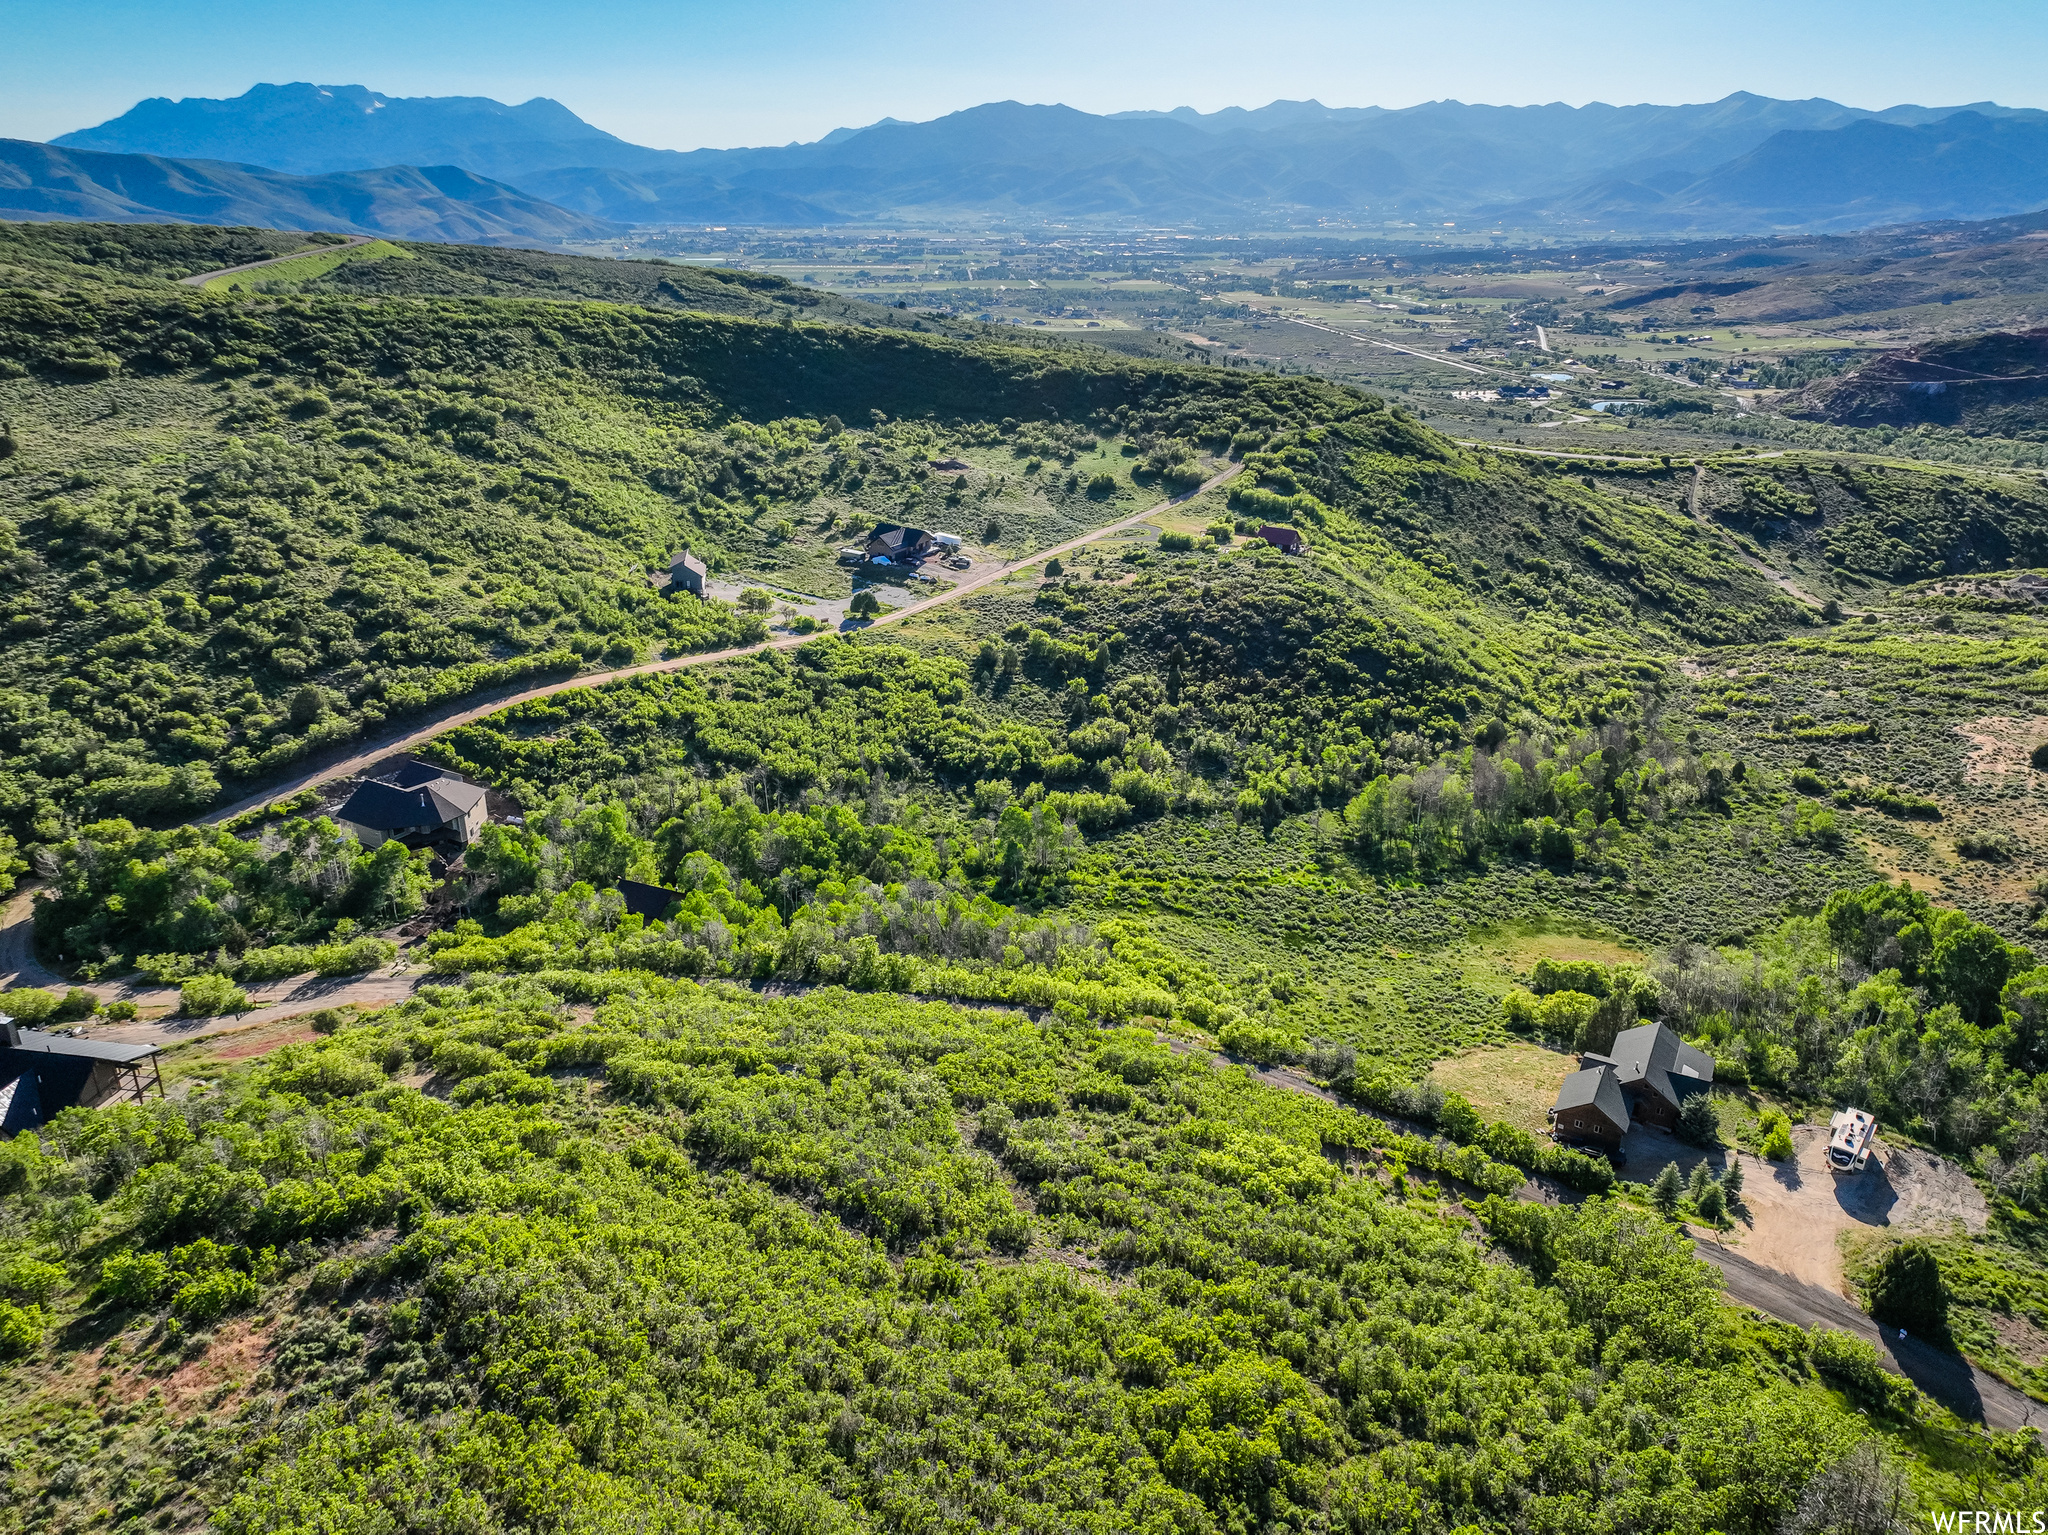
x: 1286, y: 540
x: 687, y: 573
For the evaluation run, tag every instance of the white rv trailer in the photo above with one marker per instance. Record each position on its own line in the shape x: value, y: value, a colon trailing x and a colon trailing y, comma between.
x: 1850, y: 1133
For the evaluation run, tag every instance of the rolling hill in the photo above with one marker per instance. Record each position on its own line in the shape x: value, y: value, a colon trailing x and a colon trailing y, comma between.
x: 1996, y: 384
x: 1016, y: 1111
x: 41, y: 181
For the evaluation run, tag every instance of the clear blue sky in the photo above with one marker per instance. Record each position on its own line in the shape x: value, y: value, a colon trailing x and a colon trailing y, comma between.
x: 686, y: 73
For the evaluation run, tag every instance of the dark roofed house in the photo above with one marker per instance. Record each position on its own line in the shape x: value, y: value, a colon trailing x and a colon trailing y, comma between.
x: 649, y: 901
x: 1286, y: 540
x: 43, y: 1074
x: 412, y: 773
x: 1591, y: 1107
x: 896, y: 544
x: 1657, y: 1071
x: 687, y: 573
x: 416, y: 813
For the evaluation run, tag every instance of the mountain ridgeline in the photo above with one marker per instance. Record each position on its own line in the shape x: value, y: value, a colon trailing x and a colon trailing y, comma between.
x: 443, y: 202
x: 1744, y: 163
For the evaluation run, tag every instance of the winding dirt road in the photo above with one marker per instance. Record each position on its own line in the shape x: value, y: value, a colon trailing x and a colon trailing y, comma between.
x: 307, y: 993
x: 157, y: 1005
x: 363, y: 757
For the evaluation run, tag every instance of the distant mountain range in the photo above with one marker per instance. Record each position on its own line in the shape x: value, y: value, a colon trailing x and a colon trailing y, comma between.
x: 41, y: 181
x: 1744, y: 164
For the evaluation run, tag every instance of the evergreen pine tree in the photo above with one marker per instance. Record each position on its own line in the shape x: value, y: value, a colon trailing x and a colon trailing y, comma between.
x: 1731, y: 1180
x: 1712, y: 1204
x: 1665, y: 1191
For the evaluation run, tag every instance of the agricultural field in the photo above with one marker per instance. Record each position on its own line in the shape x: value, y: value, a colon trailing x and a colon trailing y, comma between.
x: 1685, y: 348
x: 1089, y: 1069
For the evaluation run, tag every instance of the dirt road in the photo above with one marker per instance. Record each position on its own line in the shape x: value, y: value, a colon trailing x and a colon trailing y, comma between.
x: 1409, y: 351
x: 1795, y: 1214
x: 1777, y: 578
x: 361, y: 757
x: 201, y: 279
x: 156, y: 1005
x: 1946, y: 1376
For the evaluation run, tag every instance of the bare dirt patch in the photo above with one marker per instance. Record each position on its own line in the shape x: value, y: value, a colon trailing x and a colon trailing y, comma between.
x: 1886, y: 860
x: 2000, y: 746
x: 216, y: 1379
x: 245, y: 1044
x: 1795, y: 1216
x: 2027, y: 1342
x: 1515, y: 1083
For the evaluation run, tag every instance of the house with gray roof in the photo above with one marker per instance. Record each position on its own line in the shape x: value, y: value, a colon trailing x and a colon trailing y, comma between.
x: 1657, y: 1071
x: 418, y: 804
x: 1590, y: 1107
x: 42, y: 1074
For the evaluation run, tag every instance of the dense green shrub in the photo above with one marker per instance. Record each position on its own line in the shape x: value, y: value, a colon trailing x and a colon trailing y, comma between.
x: 29, y: 1006
x: 25, y: 1279
x: 131, y: 1278
x: 1697, y: 1121
x: 207, y: 1298
x: 21, y: 1329
x: 204, y: 996
x: 1904, y: 1289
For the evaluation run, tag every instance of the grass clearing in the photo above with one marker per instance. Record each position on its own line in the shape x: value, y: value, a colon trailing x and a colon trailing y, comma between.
x: 305, y: 268
x: 1513, y: 1083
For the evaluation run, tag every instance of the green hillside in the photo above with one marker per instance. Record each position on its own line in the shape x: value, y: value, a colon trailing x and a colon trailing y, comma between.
x: 1020, y: 1116
x: 854, y: 1263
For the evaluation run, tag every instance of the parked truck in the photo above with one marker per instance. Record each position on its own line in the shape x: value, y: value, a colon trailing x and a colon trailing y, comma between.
x: 1850, y: 1133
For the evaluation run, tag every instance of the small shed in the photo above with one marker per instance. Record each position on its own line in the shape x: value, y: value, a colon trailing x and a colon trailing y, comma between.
x: 1590, y: 1107
x: 43, y: 1074
x: 687, y: 573
x: 1286, y: 540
